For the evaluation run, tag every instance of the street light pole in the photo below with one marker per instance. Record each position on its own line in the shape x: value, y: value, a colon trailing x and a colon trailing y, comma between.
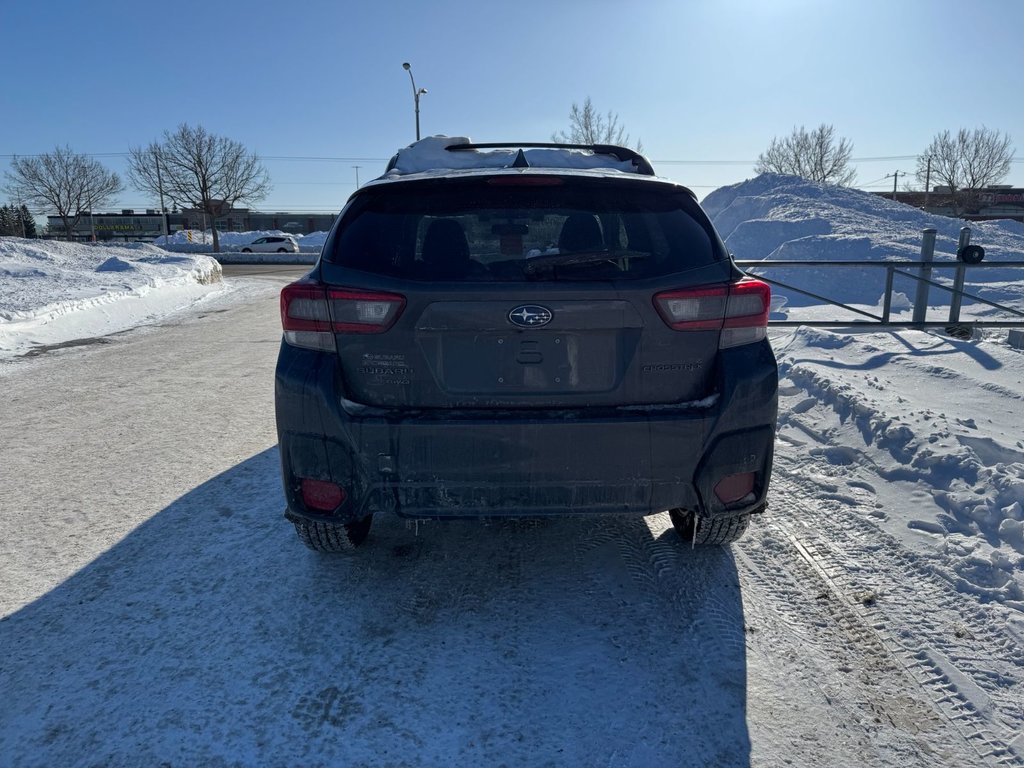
x: 416, y: 93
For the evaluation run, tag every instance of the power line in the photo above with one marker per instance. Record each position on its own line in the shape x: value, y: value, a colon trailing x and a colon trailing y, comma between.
x: 879, y: 180
x: 704, y: 162
x: 382, y: 160
x: 327, y: 158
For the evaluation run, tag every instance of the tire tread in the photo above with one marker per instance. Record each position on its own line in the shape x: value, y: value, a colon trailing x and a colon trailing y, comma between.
x: 710, y: 531
x: 332, y: 537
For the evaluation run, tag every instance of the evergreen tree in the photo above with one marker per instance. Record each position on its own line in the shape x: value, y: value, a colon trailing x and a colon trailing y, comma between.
x: 6, y: 221
x: 16, y: 221
x: 28, y: 222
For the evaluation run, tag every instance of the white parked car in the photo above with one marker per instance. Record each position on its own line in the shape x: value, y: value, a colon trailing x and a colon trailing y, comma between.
x: 272, y: 244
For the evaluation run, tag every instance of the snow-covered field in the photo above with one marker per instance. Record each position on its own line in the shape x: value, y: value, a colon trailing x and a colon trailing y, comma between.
x: 873, y: 617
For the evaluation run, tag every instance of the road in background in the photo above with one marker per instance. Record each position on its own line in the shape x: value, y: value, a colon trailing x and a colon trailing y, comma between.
x: 289, y: 271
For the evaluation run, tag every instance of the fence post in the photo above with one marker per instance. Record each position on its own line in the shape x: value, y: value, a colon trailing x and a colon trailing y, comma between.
x: 927, y: 255
x: 958, y: 283
x: 887, y: 306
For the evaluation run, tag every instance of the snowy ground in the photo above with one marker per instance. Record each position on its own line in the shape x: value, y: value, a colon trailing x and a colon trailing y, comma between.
x: 156, y: 608
x: 930, y: 431
x: 54, y: 293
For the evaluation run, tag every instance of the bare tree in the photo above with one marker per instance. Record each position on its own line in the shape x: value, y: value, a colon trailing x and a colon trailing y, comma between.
x: 196, y: 168
x: 816, y: 155
x: 966, y: 162
x: 62, y: 181
x: 588, y: 126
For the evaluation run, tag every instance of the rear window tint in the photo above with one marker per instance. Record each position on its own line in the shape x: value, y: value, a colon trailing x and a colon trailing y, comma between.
x: 475, y: 232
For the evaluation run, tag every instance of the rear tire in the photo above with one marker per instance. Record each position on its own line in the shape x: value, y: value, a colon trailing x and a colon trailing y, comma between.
x: 281, y: 250
x: 246, y: 250
x: 710, y: 530
x: 333, y: 537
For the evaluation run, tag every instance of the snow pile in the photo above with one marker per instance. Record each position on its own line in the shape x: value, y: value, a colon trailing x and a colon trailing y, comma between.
x: 314, y: 241
x: 53, y: 292
x: 926, y: 433
x: 202, y: 242
x: 785, y: 218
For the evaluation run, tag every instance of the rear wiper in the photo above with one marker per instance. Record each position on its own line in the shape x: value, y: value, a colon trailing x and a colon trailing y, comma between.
x: 539, y: 263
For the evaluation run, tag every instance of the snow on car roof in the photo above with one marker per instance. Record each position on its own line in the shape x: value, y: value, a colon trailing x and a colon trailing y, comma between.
x: 436, y: 153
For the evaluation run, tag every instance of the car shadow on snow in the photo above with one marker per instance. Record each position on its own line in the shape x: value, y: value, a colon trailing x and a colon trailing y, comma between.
x: 210, y: 635
x: 936, y: 347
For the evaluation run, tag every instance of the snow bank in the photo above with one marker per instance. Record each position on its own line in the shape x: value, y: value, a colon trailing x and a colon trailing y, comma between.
x: 53, y: 292
x: 202, y: 242
x: 785, y: 218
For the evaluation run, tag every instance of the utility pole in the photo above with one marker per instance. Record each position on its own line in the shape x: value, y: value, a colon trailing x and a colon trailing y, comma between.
x: 895, y: 177
x: 927, y: 180
x: 160, y: 187
x: 92, y: 221
x: 21, y: 215
x: 357, y: 167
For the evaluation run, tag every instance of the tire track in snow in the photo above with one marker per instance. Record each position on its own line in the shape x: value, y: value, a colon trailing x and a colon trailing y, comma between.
x: 888, y: 600
x: 872, y: 691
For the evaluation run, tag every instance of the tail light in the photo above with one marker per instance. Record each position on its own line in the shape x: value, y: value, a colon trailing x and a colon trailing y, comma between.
x: 739, y: 310
x: 312, y: 313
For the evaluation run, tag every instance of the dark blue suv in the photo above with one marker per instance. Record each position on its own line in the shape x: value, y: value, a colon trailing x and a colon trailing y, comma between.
x: 524, y: 330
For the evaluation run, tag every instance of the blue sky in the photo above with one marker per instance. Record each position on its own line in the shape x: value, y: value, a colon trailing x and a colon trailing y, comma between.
x: 696, y: 81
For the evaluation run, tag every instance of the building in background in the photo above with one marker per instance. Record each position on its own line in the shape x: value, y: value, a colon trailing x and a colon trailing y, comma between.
x: 247, y: 220
x: 995, y: 202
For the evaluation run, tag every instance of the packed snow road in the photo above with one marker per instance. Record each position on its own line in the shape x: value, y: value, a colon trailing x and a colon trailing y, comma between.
x: 157, y: 609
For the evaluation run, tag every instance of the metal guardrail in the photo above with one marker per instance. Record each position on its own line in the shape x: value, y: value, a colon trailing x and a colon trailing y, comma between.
x: 893, y: 268
x: 968, y: 257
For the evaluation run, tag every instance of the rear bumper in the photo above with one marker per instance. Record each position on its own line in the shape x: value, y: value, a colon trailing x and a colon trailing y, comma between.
x: 451, y: 464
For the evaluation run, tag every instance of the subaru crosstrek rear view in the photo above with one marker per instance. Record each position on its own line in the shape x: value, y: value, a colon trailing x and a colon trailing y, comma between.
x: 524, y: 330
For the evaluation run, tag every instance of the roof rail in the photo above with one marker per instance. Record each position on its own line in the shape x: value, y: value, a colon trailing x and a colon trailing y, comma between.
x: 622, y: 154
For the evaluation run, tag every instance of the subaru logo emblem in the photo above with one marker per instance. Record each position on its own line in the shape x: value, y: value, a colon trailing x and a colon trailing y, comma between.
x: 530, y: 316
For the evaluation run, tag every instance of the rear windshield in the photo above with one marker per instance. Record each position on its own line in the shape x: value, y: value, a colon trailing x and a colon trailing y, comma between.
x: 554, y: 230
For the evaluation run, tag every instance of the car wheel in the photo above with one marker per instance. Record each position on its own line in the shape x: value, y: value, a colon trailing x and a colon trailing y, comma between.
x: 282, y: 250
x: 333, y: 537
x: 246, y: 250
x: 709, y: 530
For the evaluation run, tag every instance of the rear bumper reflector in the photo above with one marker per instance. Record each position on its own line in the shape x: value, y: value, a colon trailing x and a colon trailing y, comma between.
x: 321, y: 495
